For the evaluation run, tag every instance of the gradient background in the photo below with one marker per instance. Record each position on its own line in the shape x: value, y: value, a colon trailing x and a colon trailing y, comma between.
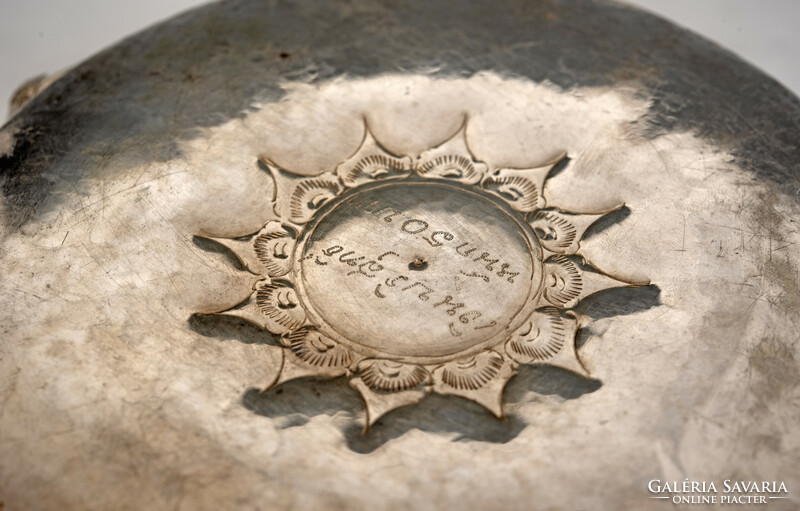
x: 45, y: 36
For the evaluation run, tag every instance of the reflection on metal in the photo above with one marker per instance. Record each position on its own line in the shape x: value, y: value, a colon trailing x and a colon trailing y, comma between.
x: 418, y: 275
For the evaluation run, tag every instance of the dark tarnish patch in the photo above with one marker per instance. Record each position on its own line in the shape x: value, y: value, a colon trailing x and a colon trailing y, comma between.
x: 21, y: 181
x: 242, y: 47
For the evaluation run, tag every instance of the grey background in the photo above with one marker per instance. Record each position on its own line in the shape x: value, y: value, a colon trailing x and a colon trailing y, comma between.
x: 45, y: 36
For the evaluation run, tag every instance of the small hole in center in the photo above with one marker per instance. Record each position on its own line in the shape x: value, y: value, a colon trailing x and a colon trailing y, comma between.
x: 418, y: 264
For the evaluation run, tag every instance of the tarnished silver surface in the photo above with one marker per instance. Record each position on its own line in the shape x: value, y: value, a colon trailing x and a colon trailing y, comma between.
x: 173, y: 214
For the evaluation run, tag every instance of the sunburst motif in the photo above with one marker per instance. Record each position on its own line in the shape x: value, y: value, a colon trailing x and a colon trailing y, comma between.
x: 316, y: 274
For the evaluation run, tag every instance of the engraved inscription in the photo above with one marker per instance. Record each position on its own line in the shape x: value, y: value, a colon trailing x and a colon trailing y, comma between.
x: 411, y: 275
x: 435, y: 238
x: 455, y: 297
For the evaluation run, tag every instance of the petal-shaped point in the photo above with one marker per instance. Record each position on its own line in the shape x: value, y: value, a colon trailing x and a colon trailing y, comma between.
x: 292, y: 369
x: 480, y: 378
x: 276, y: 379
x: 281, y: 181
x: 273, y: 247
x: 561, y: 232
x: 280, y: 307
x: 297, y: 198
x: 241, y: 296
x: 452, y: 159
x: 522, y: 189
x: 569, y: 360
x: 379, y: 404
x: 247, y: 310
x: 244, y: 251
x: 547, y: 338
x: 566, y: 281
x: 371, y: 162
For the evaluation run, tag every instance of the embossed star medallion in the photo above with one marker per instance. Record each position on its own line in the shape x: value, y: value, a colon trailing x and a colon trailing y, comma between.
x: 418, y: 275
